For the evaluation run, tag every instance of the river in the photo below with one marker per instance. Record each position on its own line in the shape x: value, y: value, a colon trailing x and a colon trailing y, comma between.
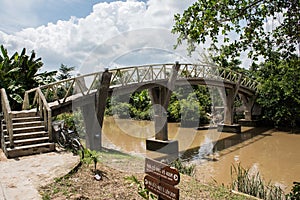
x: 274, y: 154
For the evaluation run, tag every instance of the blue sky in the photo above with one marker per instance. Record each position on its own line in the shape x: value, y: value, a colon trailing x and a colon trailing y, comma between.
x: 92, y: 34
x: 14, y: 13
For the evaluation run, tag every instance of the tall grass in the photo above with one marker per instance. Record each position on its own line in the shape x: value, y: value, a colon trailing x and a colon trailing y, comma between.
x: 253, y: 184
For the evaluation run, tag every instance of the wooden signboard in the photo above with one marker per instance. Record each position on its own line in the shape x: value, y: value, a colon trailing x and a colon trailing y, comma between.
x: 161, y: 179
x: 164, y: 190
x: 162, y: 172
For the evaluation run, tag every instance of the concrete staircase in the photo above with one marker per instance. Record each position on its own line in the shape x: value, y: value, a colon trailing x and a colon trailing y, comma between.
x: 29, y: 135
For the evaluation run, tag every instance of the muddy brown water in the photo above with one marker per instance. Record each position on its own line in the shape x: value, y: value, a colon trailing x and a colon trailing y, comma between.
x: 275, y: 155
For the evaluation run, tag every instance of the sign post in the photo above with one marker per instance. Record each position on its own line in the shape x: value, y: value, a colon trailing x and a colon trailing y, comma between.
x: 161, y: 180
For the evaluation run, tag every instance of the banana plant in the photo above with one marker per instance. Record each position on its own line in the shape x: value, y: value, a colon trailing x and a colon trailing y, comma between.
x: 18, y: 73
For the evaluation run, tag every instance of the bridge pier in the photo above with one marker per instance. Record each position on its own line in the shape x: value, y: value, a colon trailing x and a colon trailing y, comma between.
x: 228, y: 96
x: 160, y: 97
x: 248, y: 103
x: 93, y: 113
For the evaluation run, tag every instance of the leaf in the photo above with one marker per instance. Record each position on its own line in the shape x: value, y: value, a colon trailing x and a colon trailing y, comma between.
x: 4, y: 52
x: 16, y: 69
x: 17, y: 98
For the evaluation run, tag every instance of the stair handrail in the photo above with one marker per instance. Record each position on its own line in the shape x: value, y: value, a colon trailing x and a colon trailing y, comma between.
x: 45, y: 112
x: 7, y: 114
x: 67, y: 85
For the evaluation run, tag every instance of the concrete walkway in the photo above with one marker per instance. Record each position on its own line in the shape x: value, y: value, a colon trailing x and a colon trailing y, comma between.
x: 20, y: 178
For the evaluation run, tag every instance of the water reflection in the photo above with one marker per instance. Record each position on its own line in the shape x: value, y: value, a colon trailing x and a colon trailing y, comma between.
x: 274, y: 154
x: 212, y: 145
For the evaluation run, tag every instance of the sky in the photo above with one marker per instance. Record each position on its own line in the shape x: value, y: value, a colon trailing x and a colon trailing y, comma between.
x: 93, y: 34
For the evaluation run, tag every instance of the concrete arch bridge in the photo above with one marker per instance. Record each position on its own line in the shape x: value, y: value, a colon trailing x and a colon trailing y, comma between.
x: 90, y: 91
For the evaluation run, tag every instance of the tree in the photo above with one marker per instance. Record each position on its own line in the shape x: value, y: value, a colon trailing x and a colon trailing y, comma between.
x: 268, y: 31
x: 65, y: 72
x: 18, y: 73
x: 140, y: 105
x: 279, y: 92
x: 249, y: 20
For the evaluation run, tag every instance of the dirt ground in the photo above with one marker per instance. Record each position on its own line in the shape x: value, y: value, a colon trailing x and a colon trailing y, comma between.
x: 113, y: 185
x: 22, y: 177
x: 47, y: 176
x: 114, y: 167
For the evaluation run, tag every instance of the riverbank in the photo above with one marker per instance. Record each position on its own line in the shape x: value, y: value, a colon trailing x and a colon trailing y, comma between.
x: 274, y: 153
x: 114, y: 167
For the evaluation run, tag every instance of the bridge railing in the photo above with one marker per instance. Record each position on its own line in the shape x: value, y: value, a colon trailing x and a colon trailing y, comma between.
x: 61, y: 90
x: 7, y: 114
x: 151, y: 73
x: 207, y: 72
x: 216, y: 73
x: 249, y: 83
x: 44, y: 111
x: 140, y: 74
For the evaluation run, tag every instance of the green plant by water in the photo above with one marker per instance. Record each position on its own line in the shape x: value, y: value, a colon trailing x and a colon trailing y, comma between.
x: 252, y: 184
x: 295, y: 192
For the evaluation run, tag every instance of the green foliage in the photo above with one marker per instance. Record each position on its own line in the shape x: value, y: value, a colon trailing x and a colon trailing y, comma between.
x: 91, y: 156
x: 73, y: 121
x: 190, y: 108
x: 203, y: 97
x: 174, y: 109
x: 265, y: 30
x: 18, y: 73
x: 279, y: 92
x: 253, y: 185
x: 143, y: 192
x: 122, y: 109
x: 140, y: 105
x: 247, y: 20
x: 183, y: 168
x: 295, y: 193
x: 65, y: 72
x: 68, y: 118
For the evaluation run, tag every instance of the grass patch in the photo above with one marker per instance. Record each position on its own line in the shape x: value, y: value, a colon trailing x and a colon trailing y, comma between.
x: 183, y: 168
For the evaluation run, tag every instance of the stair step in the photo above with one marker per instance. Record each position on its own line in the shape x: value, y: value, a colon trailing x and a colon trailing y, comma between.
x: 30, y: 149
x: 27, y: 135
x: 28, y: 129
x: 28, y: 141
x: 25, y: 119
x: 30, y: 146
x: 27, y: 124
x: 23, y: 113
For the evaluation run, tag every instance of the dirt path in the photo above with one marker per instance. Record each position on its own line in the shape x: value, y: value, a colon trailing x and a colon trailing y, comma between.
x: 20, y: 178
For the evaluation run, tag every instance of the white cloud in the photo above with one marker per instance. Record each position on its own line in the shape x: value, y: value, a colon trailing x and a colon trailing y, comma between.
x: 71, y: 42
x: 16, y: 14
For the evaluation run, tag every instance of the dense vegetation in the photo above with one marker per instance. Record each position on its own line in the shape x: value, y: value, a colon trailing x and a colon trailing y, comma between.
x: 268, y: 32
x: 188, y: 106
x: 18, y: 73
